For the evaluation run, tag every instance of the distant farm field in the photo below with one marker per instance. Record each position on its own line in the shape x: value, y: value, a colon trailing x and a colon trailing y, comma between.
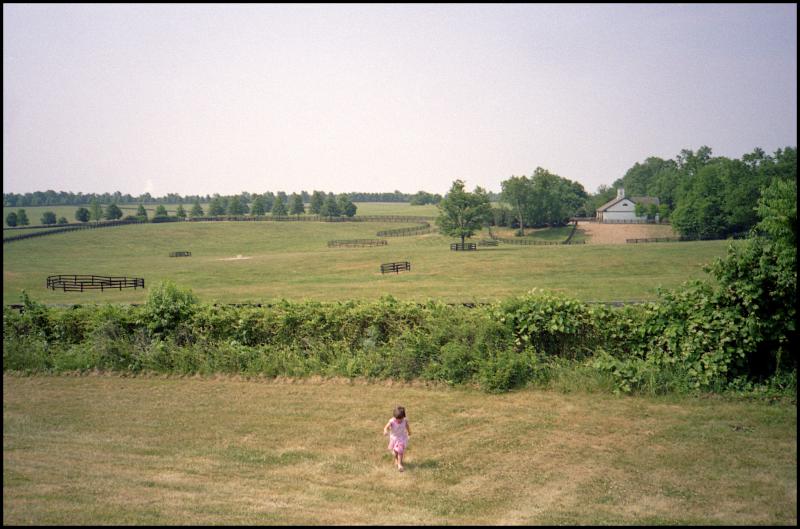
x: 237, y: 262
x: 109, y: 450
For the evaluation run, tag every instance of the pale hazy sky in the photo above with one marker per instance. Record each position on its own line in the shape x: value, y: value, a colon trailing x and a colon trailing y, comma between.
x: 203, y: 99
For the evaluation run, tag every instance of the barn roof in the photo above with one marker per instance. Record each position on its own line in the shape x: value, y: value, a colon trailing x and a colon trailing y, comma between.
x: 636, y: 200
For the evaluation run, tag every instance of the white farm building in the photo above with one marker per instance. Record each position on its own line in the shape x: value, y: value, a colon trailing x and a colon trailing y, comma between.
x: 622, y: 209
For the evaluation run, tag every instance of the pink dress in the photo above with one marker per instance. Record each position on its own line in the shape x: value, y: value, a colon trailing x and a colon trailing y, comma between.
x: 398, y: 435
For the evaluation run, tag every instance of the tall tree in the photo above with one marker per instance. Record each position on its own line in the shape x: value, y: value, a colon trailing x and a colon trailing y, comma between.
x: 11, y: 219
x: 48, y: 217
x: 345, y: 205
x: 82, y: 214
x: 258, y: 209
x: 297, y: 207
x: 197, y: 209
x: 96, y: 210
x: 216, y: 207
x: 278, y: 208
x: 317, y: 199
x: 141, y: 212
x: 517, y: 192
x: 180, y: 212
x: 330, y: 208
x: 461, y: 213
x: 235, y: 206
x: 113, y: 212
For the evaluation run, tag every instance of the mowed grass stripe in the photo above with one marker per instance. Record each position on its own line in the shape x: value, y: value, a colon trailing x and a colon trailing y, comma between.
x: 110, y: 450
x: 292, y: 261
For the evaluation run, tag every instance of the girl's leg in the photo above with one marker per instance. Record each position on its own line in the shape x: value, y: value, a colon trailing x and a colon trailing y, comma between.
x: 400, y: 461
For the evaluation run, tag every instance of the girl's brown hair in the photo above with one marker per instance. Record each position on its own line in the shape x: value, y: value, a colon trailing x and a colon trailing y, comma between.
x: 399, y: 413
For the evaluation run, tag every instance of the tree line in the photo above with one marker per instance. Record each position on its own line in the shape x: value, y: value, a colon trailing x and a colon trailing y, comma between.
x: 320, y: 203
x: 707, y: 196
x: 703, y: 196
x: 66, y: 198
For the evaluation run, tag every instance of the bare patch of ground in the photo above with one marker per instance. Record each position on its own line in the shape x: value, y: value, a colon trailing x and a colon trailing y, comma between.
x: 598, y: 233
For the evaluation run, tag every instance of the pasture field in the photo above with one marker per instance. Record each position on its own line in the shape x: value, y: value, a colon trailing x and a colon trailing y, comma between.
x: 238, y: 262
x: 110, y: 450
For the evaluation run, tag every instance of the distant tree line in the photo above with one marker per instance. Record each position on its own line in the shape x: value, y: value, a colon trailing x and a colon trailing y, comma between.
x: 65, y: 198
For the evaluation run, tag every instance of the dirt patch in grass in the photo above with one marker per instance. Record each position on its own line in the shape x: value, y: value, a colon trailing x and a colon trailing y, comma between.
x: 598, y: 233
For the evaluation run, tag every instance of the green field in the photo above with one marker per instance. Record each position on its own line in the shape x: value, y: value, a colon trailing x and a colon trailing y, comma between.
x: 292, y: 261
x: 109, y: 450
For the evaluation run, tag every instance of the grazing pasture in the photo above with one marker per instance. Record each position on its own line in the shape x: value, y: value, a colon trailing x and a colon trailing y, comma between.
x: 108, y: 450
x: 238, y: 262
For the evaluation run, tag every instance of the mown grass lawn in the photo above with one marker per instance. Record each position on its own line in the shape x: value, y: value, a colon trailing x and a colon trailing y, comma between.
x: 97, y: 450
x: 291, y: 260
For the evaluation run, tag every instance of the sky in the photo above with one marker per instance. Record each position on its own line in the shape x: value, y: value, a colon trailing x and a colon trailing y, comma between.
x: 225, y: 98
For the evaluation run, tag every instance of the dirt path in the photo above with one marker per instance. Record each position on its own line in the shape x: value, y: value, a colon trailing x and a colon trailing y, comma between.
x: 598, y: 233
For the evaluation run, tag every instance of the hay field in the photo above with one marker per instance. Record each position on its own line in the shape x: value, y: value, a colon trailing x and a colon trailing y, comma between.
x: 101, y: 450
x: 292, y: 261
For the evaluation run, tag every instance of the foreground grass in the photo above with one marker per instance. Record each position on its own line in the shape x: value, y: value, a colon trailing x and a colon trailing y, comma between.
x: 292, y: 261
x: 112, y: 450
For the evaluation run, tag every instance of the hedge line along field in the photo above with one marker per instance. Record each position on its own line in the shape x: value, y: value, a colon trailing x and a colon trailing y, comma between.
x: 109, y: 450
x: 241, y: 262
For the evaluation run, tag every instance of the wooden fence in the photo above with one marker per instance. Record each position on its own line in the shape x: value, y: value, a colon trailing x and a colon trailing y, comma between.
x: 402, y: 232
x: 738, y: 235
x: 79, y: 283
x: 87, y: 226
x: 308, y: 218
x: 356, y: 243
x: 180, y: 254
x: 467, y: 246
x: 395, y: 267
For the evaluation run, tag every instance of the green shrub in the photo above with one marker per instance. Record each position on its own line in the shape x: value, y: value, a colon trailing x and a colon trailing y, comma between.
x: 507, y: 369
x: 167, y: 307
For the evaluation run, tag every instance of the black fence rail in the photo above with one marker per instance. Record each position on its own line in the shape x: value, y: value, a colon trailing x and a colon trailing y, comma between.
x: 467, y: 246
x: 527, y: 242
x: 356, y: 243
x: 655, y: 239
x: 79, y: 283
x: 180, y: 254
x: 88, y: 226
x: 487, y: 242
x: 738, y: 235
x: 308, y: 218
x: 630, y: 221
x: 571, y: 233
x: 395, y: 267
x: 403, y: 232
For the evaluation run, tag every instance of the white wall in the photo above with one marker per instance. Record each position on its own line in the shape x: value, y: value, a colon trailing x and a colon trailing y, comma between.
x: 624, y: 210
